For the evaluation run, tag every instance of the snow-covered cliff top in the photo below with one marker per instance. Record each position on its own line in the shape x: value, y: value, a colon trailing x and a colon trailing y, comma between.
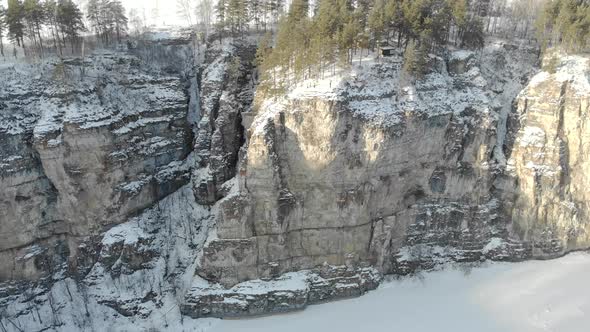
x: 377, y: 89
x: 104, y: 89
x: 574, y: 69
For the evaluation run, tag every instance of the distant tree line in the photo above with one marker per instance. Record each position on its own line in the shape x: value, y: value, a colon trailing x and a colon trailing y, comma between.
x: 231, y: 17
x: 565, y: 23
x: 30, y: 19
x: 309, y: 40
x: 37, y: 25
x: 236, y: 16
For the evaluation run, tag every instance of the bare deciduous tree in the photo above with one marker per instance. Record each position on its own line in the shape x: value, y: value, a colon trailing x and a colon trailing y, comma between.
x: 184, y: 10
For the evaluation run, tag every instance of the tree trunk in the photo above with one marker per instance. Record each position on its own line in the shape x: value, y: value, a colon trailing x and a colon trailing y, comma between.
x: 40, y: 39
x: 63, y: 38
x: 361, y: 57
x: 54, y: 40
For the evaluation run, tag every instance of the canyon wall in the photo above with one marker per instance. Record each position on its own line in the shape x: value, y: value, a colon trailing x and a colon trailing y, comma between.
x: 168, y: 176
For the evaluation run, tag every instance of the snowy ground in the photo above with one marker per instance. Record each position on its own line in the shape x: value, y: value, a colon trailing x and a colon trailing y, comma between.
x: 531, y: 296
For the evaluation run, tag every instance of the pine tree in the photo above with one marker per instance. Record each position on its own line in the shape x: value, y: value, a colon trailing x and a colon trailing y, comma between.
x: 410, y: 55
x: 299, y: 10
x: 377, y: 21
x: 275, y: 9
x: 459, y: 15
x: 439, y: 22
x: 204, y: 13
x: 118, y: 19
x: 326, y: 28
x: 237, y: 15
x: 51, y: 12
x: 93, y: 13
x: 480, y: 7
x: 395, y: 20
x: 565, y: 23
x: 220, y: 10
x: 69, y: 17
x: 34, y: 16
x: 413, y: 13
x: 264, y: 49
x: 14, y: 20
x: 107, y: 18
x: 473, y: 35
x: 416, y: 58
x: 255, y: 9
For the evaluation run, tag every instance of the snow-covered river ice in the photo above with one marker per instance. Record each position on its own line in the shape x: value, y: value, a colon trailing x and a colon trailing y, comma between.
x: 551, y: 295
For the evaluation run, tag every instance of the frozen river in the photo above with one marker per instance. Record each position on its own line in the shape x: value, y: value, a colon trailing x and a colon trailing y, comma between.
x: 532, y: 296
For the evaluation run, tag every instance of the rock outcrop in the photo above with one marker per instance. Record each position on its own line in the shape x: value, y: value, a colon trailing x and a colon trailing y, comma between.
x: 226, y: 92
x: 289, y: 292
x: 550, y: 159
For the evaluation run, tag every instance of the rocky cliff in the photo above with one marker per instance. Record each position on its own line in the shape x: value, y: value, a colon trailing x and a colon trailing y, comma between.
x: 549, y: 161
x: 373, y: 172
x: 368, y: 168
x: 86, y: 143
x: 162, y: 181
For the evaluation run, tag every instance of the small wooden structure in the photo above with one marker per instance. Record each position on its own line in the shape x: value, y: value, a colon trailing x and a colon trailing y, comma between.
x: 387, y: 51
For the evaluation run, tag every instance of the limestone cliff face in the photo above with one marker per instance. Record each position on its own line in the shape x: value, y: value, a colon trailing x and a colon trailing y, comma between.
x: 85, y: 145
x: 550, y: 160
x: 373, y: 172
x: 325, y: 186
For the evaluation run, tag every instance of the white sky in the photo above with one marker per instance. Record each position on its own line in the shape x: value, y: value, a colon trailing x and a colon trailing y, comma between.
x: 167, y: 10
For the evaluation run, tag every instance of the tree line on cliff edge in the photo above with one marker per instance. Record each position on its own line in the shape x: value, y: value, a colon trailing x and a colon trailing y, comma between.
x: 306, y: 36
x: 310, y: 38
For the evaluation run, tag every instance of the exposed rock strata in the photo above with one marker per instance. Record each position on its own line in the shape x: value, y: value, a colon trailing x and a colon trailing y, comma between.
x: 303, y: 198
x: 289, y: 292
x: 372, y: 172
x: 85, y: 145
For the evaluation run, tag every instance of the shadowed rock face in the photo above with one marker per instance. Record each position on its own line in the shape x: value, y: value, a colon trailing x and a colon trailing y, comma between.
x: 226, y: 92
x: 86, y: 145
